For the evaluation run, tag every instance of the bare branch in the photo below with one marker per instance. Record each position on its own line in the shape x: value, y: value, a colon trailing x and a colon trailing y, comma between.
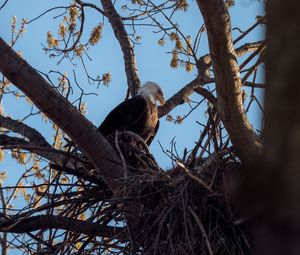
x: 246, y: 83
x: 204, y: 63
x: 12, y: 142
x: 3, y: 239
x: 259, y: 50
x: 60, y: 158
x: 255, y: 85
x: 43, y: 222
x: 115, y: 20
x: 22, y: 129
x: 79, y: 34
x: 182, y: 96
x: 79, y: 172
x: 45, y: 12
x: 93, y: 6
x: 258, y: 22
x: 254, y: 67
x: 5, y: 2
x: 248, y: 47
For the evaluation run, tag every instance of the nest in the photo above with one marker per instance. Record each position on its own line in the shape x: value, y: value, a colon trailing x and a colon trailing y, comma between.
x: 184, y: 210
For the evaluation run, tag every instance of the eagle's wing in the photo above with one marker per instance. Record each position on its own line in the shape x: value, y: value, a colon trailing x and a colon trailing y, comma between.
x: 124, y: 116
x: 152, y: 137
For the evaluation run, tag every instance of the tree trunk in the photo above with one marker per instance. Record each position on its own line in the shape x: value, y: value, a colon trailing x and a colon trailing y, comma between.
x: 277, y: 183
x: 228, y: 83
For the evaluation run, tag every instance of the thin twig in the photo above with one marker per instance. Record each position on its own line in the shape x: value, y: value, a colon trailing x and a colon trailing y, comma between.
x: 260, y: 21
x: 3, y: 4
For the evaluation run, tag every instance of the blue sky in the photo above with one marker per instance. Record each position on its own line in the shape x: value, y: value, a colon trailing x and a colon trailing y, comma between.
x: 152, y: 61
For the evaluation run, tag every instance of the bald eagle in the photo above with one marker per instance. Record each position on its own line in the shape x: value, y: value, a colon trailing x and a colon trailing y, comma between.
x: 137, y: 114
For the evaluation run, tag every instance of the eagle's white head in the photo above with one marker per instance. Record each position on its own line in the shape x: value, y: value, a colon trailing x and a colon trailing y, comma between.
x: 153, y: 92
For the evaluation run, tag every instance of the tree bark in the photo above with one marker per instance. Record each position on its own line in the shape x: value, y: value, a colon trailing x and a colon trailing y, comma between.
x: 115, y: 20
x: 228, y: 82
x: 61, y: 112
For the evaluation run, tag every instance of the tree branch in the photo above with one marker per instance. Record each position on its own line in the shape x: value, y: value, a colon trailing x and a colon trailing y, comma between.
x: 5, y: 2
x: 63, y: 161
x: 13, y: 142
x: 203, y: 65
x: 93, y: 6
x: 22, y: 129
x: 248, y: 47
x: 44, y: 222
x: 182, y: 96
x: 61, y: 158
x: 61, y: 112
x: 258, y: 22
x: 228, y: 83
x: 115, y: 20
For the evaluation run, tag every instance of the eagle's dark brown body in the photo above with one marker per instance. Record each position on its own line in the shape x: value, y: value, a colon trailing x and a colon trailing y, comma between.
x: 137, y: 114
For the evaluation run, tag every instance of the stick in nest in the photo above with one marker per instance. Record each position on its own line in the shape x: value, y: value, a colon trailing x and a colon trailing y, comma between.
x: 210, y: 252
x: 193, y: 177
x: 123, y: 160
x: 145, y: 147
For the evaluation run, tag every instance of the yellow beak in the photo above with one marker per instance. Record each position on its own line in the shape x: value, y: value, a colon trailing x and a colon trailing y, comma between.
x: 161, y: 100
